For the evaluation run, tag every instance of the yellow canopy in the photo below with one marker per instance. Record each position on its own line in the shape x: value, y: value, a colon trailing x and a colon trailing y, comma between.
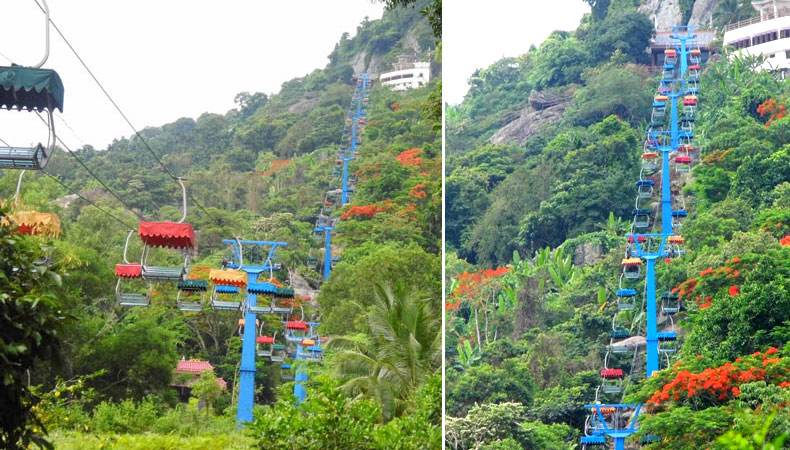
x: 632, y: 262
x: 308, y: 342
x: 228, y: 277
x: 35, y: 223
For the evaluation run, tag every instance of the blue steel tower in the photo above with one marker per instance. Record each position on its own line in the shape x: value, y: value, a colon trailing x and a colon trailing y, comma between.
x: 670, y: 136
x: 248, y: 353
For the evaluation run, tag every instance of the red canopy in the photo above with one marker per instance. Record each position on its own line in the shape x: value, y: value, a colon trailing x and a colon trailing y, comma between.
x: 610, y: 374
x: 683, y: 159
x: 296, y: 325
x: 265, y: 340
x: 133, y: 270
x: 167, y: 234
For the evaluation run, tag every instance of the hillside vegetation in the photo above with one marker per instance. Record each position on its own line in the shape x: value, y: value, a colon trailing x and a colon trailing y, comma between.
x: 100, y: 375
x: 535, y: 228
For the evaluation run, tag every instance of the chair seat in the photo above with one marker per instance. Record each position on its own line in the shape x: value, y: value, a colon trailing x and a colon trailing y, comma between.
x: 220, y: 305
x: 30, y: 158
x: 189, y: 306
x: 260, y: 309
x: 133, y: 300
x: 160, y: 273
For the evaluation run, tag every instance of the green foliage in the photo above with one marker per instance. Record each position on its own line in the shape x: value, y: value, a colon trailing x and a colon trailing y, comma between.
x: 401, y: 350
x: 29, y: 325
x: 348, y: 295
x: 611, y: 90
x: 486, y: 384
x: 501, y: 426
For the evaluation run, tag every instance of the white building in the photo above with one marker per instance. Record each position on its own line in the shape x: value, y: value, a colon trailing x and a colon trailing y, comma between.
x: 407, y: 75
x: 767, y: 35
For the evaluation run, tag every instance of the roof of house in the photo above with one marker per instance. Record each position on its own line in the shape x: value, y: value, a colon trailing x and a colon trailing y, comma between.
x: 193, y: 366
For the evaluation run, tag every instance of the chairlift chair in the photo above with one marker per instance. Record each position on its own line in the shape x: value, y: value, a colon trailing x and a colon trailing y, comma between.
x: 667, y: 342
x: 33, y: 89
x: 645, y: 188
x: 612, y: 381
x: 126, y: 272
x: 650, y: 162
x: 670, y: 303
x: 189, y: 288
x: 625, y: 298
x: 175, y: 235
x: 682, y: 163
x: 632, y: 268
x: 31, y: 222
x: 642, y: 218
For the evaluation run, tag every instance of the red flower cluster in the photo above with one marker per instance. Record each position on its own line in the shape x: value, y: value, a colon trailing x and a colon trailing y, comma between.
x: 722, y: 383
x: 785, y: 241
x: 418, y: 191
x: 410, y: 157
x: 363, y: 211
x: 711, y: 280
x: 469, y: 283
x: 772, y: 109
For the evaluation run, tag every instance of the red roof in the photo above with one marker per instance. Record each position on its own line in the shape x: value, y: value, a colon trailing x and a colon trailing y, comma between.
x: 167, y: 234
x: 296, y: 325
x: 193, y: 366
x: 133, y: 270
x: 264, y: 340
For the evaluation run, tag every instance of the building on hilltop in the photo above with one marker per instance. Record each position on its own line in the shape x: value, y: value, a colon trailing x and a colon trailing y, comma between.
x: 767, y: 35
x: 406, y: 74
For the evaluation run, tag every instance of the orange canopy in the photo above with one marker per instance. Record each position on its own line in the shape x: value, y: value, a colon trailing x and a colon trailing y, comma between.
x: 227, y: 277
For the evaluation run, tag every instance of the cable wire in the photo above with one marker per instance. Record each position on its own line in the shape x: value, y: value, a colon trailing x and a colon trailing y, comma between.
x: 84, y: 166
x: 123, y: 115
x: 68, y: 189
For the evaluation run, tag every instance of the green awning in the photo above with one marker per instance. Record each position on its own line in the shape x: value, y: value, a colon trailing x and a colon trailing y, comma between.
x: 31, y: 89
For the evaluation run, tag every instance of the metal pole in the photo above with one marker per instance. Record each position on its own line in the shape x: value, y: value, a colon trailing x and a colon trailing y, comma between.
x: 327, y: 252
x: 619, y: 443
x: 666, y: 192
x: 651, y: 331
x: 247, y: 372
x: 344, y: 183
x: 300, y: 391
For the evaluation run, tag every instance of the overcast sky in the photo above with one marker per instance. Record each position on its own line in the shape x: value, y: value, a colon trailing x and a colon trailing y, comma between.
x: 166, y: 59
x: 478, y: 33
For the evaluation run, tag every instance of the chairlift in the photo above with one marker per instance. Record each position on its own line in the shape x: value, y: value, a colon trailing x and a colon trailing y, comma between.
x: 126, y: 272
x: 33, y: 89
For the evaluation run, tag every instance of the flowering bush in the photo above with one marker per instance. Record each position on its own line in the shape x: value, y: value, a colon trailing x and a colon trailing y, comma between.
x: 418, y: 191
x: 470, y: 283
x: 410, y: 157
x: 719, y: 384
x: 364, y: 211
x: 711, y: 280
x: 772, y: 110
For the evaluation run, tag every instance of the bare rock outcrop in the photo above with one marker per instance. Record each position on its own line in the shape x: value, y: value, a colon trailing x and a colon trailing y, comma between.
x: 702, y: 14
x: 663, y: 13
x: 544, y: 108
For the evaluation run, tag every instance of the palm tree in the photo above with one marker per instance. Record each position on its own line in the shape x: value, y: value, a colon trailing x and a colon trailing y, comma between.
x: 401, y: 350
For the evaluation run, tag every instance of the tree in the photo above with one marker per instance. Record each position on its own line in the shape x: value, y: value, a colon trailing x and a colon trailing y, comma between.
x: 625, y: 30
x: 400, y: 351
x: 29, y: 323
x: 207, y: 390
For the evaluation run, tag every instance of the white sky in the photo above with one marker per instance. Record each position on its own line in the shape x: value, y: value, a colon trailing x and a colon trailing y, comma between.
x: 166, y: 59
x: 478, y: 33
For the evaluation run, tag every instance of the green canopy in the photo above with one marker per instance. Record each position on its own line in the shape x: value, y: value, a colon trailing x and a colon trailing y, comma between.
x: 31, y: 89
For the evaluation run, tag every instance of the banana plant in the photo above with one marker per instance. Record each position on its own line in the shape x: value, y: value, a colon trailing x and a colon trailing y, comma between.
x: 468, y: 356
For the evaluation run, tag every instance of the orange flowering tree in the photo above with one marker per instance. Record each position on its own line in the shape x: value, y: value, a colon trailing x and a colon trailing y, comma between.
x: 715, y: 385
x: 410, y: 157
x: 479, y: 290
x: 771, y: 110
x: 752, y: 291
x: 365, y: 211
